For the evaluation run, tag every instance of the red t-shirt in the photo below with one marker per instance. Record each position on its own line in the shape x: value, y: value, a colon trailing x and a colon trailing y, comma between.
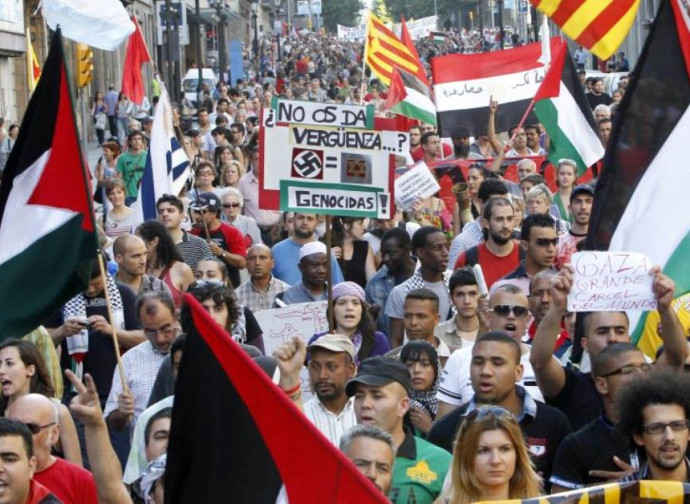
x: 69, y: 483
x: 493, y: 267
x: 227, y: 237
x: 418, y: 154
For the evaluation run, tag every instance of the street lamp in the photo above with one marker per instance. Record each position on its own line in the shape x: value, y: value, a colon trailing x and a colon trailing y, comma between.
x: 219, y: 5
x: 255, y: 42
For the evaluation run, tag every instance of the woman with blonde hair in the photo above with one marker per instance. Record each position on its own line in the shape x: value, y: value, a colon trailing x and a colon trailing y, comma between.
x: 231, y: 173
x: 490, y: 460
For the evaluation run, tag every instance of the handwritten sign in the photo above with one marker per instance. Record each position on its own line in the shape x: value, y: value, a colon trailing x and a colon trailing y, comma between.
x: 279, y: 325
x: 611, y: 281
x: 415, y: 184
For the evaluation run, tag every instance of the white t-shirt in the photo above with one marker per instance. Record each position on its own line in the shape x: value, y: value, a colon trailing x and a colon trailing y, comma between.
x: 455, y: 385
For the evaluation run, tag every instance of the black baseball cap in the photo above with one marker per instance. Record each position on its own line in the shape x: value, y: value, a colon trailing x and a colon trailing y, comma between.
x: 582, y: 188
x: 380, y: 371
x: 206, y: 200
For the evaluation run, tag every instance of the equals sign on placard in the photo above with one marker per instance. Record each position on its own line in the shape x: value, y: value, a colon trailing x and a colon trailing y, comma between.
x: 331, y: 162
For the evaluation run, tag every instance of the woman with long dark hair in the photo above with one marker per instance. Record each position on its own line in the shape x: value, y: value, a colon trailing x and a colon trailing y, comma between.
x: 352, y: 319
x: 23, y: 371
x: 163, y: 259
x: 354, y: 254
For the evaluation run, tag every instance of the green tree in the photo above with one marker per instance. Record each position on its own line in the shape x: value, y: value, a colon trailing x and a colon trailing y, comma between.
x: 343, y: 12
x: 381, y: 10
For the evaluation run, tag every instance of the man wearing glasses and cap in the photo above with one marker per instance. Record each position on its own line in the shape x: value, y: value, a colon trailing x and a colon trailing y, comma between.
x: 226, y: 242
x: 68, y: 482
x: 382, y: 398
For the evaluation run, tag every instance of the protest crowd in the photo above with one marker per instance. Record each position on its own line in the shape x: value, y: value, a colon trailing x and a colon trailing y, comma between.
x: 449, y: 365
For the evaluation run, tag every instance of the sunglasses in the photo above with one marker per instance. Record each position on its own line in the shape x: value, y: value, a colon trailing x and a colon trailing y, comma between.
x: 546, y: 242
x: 496, y: 412
x: 503, y: 310
x: 35, y: 428
x: 231, y: 205
x: 629, y: 369
x: 198, y: 284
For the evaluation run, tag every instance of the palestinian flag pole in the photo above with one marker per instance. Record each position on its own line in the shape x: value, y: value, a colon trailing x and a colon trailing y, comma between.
x: 561, y: 106
x: 639, y: 200
x: 47, y: 227
x: 236, y: 437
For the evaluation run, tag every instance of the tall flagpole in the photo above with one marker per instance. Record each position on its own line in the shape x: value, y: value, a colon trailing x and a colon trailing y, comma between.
x: 364, y: 57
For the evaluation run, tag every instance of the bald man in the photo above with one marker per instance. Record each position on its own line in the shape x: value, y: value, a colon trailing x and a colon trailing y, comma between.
x: 130, y: 256
x: 259, y: 292
x: 70, y: 483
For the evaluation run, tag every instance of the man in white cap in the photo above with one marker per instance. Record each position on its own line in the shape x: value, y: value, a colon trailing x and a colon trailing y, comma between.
x: 331, y: 365
x: 312, y: 287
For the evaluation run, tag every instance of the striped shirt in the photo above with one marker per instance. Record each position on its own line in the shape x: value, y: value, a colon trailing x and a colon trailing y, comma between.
x: 331, y: 425
x: 193, y: 249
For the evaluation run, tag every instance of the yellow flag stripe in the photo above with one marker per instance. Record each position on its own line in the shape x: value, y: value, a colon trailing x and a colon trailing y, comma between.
x: 609, y: 43
x: 583, y: 16
x: 548, y: 7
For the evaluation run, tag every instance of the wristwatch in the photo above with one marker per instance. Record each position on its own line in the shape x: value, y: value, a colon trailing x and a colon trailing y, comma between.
x: 223, y: 254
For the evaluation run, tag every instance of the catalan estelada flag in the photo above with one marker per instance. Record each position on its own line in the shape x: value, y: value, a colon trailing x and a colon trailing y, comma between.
x: 34, y: 69
x: 384, y: 51
x: 600, y: 26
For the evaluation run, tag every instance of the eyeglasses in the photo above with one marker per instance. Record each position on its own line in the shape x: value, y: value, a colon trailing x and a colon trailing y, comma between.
x: 231, y: 205
x: 546, y: 242
x: 503, y: 310
x: 660, y: 427
x: 35, y: 428
x: 152, y: 333
x: 629, y: 369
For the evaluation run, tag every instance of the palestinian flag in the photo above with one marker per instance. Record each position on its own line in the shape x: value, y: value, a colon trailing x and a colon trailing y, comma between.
x: 437, y: 37
x: 562, y: 107
x: 410, y: 97
x: 638, y: 205
x: 464, y: 84
x: 47, y: 232
x: 235, y: 436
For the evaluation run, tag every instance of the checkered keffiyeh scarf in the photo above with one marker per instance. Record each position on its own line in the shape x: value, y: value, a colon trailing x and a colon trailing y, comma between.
x: 75, y: 308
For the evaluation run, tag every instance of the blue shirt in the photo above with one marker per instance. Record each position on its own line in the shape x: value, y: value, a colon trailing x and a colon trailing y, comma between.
x: 286, y: 259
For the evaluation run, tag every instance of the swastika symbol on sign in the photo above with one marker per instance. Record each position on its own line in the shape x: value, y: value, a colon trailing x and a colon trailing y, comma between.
x: 307, y: 164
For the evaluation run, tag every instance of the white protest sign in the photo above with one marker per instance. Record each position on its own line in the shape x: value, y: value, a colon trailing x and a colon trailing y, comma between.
x: 352, y: 33
x: 611, y: 281
x: 416, y: 183
x: 419, y: 28
x: 281, y: 324
x: 327, y: 158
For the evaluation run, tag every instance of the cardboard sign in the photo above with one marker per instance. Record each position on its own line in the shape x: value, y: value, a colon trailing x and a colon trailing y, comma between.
x: 611, y: 281
x: 327, y: 158
x: 281, y: 324
x: 415, y: 184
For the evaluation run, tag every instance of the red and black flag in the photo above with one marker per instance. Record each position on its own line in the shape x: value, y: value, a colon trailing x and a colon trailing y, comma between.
x: 47, y: 232
x: 235, y: 436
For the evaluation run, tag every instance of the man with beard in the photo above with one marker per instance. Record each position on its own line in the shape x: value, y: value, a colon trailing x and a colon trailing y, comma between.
x: 508, y: 313
x: 581, y: 201
x: 539, y: 240
x: 532, y: 133
x: 312, y: 287
x: 499, y: 254
x: 461, y: 145
x: 331, y: 366
x: 654, y: 413
x: 495, y: 373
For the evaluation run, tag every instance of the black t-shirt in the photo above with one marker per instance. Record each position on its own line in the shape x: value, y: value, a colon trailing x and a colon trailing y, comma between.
x: 592, y: 447
x: 602, y: 99
x: 578, y: 399
x: 100, y: 360
x: 543, y: 434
